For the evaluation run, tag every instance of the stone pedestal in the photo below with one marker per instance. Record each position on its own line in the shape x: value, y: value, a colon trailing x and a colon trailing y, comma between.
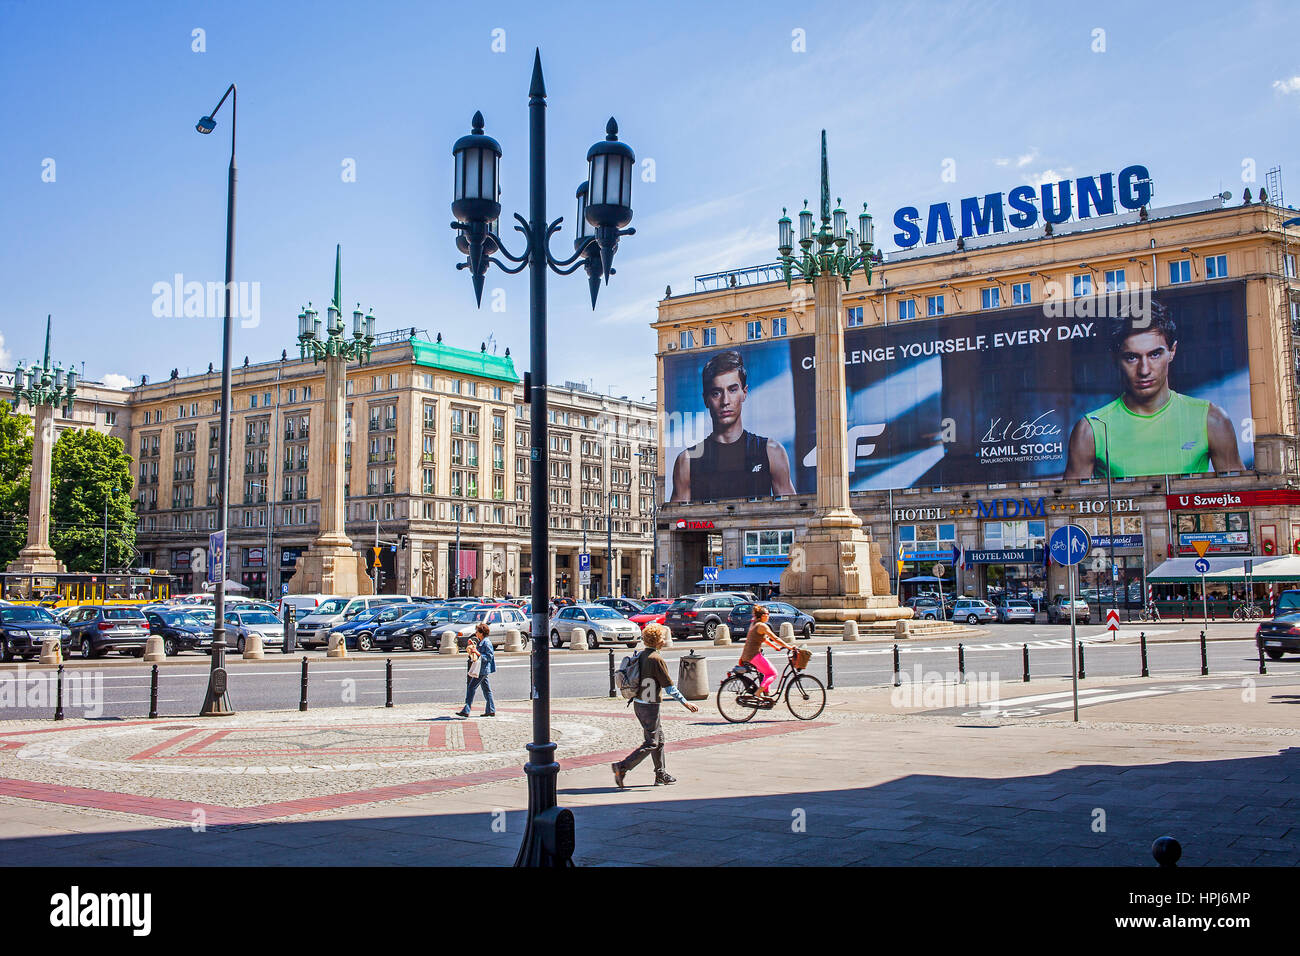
x: 38, y: 557
x: 253, y: 648
x: 333, y: 569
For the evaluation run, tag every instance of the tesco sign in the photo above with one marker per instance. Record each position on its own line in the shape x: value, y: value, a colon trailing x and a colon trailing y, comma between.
x: 1054, y: 203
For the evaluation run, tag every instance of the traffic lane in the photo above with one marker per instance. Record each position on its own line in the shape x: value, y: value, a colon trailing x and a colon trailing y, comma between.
x: 354, y: 682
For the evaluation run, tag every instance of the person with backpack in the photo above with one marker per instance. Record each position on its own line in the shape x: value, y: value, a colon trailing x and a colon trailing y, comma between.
x: 643, y: 679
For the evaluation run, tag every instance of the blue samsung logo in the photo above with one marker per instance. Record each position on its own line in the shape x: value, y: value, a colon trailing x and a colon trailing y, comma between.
x: 1083, y: 198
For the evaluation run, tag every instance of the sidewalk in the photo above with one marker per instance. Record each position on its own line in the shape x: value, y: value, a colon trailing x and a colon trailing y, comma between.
x: 1211, y: 761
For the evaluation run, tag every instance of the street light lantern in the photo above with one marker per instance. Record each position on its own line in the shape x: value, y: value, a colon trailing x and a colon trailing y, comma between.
x: 478, y: 158
x: 58, y: 376
x: 840, y: 219
x: 584, y: 229
x: 785, y: 233
x: 358, y: 322
x: 805, y: 225
x: 206, y: 125
x: 304, y: 327
x: 609, y: 193
x: 586, y: 245
x: 370, y: 325
x: 866, y: 232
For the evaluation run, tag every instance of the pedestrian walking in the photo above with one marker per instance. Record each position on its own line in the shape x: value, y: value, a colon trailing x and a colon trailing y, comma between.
x: 654, y: 681
x: 480, y: 667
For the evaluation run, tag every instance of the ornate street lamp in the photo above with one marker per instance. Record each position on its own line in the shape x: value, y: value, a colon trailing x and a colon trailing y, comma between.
x: 605, y: 209
x: 334, y: 343
x: 832, y: 239
x: 45, y: 384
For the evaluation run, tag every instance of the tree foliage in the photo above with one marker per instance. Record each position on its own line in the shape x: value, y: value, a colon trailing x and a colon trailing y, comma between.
x: 90, y: 469
x: 15, y: 481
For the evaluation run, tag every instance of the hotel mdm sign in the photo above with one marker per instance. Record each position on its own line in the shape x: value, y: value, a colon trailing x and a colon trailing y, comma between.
x: 1024, y: 206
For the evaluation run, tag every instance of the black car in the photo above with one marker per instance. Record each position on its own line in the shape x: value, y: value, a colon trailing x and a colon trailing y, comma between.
x: 778, y: 613
x: 98, y: 629
x: 701, y: 614
x: 180, y: 631
x: 412, y: 630
x: 24, y: 627
x: 1282, y: 634
x: 622, y: 605
x: 362, y: 636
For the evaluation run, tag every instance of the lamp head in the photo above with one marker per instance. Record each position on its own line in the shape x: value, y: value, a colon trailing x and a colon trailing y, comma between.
x: 206, y: 125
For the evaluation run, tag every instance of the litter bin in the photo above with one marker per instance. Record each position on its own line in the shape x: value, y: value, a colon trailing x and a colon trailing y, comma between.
x: 693, y: 676
x: 290, y: 629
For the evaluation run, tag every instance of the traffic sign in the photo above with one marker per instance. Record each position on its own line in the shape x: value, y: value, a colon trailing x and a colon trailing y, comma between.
x: 584, y: 561
x: 939, y: 570
x: 710, y: 572
x: 1249, y: 566
x: 1200, y: 547
x: 1069, y: 544
x: 284, y: 588
x: 1112, y: 620
x: 1202, y: 566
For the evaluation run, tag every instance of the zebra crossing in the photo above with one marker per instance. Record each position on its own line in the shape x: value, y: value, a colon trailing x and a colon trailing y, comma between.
x: 1039, y: 705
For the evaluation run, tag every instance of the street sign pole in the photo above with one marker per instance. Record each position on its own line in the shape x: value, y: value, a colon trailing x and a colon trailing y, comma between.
x: 1074, y: 650
x: 1205, y: 601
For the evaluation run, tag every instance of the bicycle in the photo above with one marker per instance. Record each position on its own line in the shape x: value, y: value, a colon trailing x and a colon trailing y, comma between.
x: 1149, y: 613
x: 1247, y: 612
x: 739, y: 698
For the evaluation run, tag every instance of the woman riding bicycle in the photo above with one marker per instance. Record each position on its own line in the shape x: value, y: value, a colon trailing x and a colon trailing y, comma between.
x: 758, y: 635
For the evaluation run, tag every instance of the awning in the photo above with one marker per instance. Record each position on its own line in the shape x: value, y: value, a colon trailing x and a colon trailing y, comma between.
x: 920, y: 579
x: 736, y: 576
x: 1279, y: 568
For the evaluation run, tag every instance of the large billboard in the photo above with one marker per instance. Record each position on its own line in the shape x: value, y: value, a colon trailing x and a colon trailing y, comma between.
x: 1133, y: 384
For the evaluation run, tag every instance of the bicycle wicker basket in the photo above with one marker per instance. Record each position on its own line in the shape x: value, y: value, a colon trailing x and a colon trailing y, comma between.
x: 801, y: 658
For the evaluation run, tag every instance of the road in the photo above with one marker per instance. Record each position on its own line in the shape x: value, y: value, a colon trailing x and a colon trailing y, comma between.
x: 121, y: 690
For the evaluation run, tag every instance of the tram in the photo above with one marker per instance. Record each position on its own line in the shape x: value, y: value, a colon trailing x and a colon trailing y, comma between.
x: 65, y: 590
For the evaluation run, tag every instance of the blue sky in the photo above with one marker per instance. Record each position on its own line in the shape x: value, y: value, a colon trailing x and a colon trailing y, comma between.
x: 714, y: 94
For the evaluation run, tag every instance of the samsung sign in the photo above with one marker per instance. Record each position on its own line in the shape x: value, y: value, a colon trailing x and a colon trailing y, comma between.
x: 1081, y: 198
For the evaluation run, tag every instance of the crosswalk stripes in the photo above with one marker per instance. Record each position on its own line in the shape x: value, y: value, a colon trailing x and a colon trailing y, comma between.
x: 1036, y: 705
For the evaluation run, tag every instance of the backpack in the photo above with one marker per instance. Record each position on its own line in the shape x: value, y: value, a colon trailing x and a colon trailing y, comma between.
x: 628, y: 677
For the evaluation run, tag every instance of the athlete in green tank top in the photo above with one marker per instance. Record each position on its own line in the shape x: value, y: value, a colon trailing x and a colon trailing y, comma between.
x: 1150, y: 429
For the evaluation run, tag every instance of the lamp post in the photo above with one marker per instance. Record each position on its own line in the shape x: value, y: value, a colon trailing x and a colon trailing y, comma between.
x: 216, y: 701
x: 44, y: 388
x: 586, y: 588
x: 604, y: 212
x: 610, y: 570
x: 654, y: 535
x: 1110, y: 510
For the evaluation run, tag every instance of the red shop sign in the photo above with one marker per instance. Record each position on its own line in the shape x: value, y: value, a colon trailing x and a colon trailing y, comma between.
x: 1231, y: 499
x: 685, y: 525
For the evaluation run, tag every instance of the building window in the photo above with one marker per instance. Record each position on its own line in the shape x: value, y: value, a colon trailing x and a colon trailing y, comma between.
x: 1009, y: 535
x: 1288, y: 265
x: 709, y: 337
x: 768, y: 547
x: 990, y: 298
x: 854, y: 316
x: 1115, y: 280
x: 1180, y: 270
x: 753, y: 329
x: 1083, y: 284
x: 252, y: 401
x: 1216, y: 267
x: 778, y: 325
x: 934, y: 305
x: 686, y: 339
x: 906, y: 309
x: 1021, y: 294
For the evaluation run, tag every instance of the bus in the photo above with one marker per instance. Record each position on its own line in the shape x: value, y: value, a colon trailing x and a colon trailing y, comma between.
x: 66, y: 590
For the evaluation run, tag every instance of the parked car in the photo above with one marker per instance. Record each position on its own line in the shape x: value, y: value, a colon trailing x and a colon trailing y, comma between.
x: 598, y: 623
x: 180, y: 630
x: 972, y: 611
x: 413, y: 630
x: 700, y: 614
x: 778, y: 613
x: 499, y: 619
x: 360, y: 631
x: 624, y: 606
x: 242, y: 622
x: 1282, y: 634
x: 24, y: 627
x: 303, y: 604
x: 1058, y: 612
x: 1012, y: 609
x: 652, y: 613
x: 98, y: 629
x: 314, y: 629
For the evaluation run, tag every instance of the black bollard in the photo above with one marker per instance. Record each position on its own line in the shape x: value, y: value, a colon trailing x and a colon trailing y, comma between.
x: 1024, y: 649
x: 1082, y: 670
x: 153, y: 692
x: 961, y: 662
x: 302, y: 700
x: 1205, y: 661
x: 898, y: 674
x: 830, y: 670
x: 58, y: 692
x: 388, y: 681
x: 612, y: 691
x: 1167, y: 851
x: 1259, y: 644
x: 1145, y: 671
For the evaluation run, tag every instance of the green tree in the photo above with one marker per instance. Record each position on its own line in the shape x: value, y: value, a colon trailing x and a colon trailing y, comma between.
x: 15, y: 481
x: 90, y: 469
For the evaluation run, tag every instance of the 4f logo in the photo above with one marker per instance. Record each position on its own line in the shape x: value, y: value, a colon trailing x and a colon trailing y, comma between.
x: 859, y: 446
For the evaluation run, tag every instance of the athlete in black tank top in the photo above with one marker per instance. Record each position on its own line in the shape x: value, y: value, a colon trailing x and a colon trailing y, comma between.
x: 739, y: 469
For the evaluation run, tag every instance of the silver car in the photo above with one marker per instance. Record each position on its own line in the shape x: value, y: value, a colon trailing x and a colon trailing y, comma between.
x: 265, y: 624
x: 1011, y: 611
x: 599, y: 625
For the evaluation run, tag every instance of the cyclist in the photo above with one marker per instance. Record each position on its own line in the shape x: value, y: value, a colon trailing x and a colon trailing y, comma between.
x: 759, y: 634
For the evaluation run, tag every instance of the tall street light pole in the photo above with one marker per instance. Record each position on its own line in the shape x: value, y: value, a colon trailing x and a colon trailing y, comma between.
x: 604, y: 209
x: 1110, y: 510
x: 216, y: 702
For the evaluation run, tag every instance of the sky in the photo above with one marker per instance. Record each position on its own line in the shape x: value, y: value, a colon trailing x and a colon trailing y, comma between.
x: 347, y: 115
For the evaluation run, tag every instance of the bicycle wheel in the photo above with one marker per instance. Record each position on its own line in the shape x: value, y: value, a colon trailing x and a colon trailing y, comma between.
x: 729, y: 705
x: 1239, y: 614
x: 806, y: 697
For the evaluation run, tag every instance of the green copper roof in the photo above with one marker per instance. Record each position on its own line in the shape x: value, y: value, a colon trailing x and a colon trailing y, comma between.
x: 467, y: 362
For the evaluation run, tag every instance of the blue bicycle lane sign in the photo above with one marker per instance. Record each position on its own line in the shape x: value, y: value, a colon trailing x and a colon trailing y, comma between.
x: 1069, y: 544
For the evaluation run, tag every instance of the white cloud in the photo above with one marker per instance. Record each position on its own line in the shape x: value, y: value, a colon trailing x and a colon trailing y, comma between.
x: 1024, y: 159
x: 1050, y: 176
x: 113, y: 380
x: 1002, y: 161
x: 1287, y: 86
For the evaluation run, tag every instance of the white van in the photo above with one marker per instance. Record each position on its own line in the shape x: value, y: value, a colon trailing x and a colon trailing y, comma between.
x: 314, y: 628
x: 303, y: 604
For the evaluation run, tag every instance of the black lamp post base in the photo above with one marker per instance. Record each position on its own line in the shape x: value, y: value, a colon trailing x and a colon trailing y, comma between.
x: 217, y: 705
x: 216, y: 702
x: 548, y: 835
